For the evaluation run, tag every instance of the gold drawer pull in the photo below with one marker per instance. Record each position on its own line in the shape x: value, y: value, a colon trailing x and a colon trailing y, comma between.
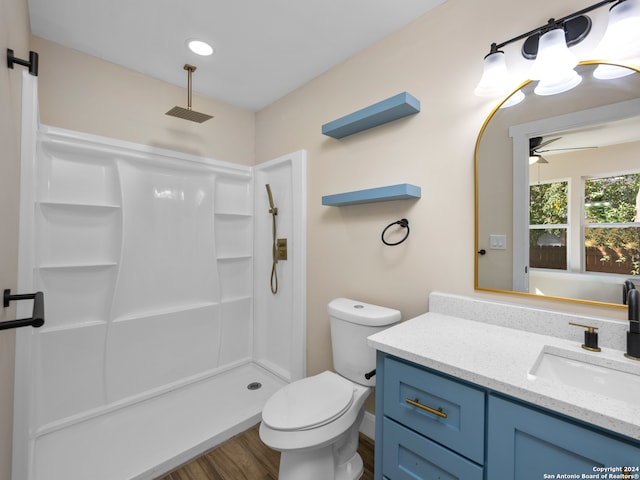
x: 416, y: 403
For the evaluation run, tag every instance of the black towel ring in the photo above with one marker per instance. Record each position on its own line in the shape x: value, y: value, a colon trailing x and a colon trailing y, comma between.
x: 404, y: 223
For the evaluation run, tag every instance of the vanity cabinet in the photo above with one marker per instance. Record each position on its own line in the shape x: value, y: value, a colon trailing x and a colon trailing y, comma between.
x: 524, y: 443
x: 432, y: 426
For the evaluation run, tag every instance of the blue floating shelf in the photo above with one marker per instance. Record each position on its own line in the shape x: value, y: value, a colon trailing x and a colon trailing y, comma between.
x: 382, y: 112
x: 403, y: 191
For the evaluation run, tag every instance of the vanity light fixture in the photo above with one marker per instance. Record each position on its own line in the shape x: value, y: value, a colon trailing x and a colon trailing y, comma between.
x: 548, y: 45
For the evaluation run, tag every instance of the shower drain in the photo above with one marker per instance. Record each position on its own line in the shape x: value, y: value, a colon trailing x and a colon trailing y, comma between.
x: 254, y: 385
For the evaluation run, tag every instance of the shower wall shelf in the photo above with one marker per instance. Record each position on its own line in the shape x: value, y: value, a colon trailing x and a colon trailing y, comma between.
x: 78, y: 266
x: 63, y: 205
x: 233, y: 214
x: 393, y: 108
x: 165, y: 310
x: 402, y: 191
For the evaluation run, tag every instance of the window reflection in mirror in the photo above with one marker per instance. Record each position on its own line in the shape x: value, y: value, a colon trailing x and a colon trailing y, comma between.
x: 612, y: 224
x: 548, y: 225
x: 610, y: 229
x: 558, y: 248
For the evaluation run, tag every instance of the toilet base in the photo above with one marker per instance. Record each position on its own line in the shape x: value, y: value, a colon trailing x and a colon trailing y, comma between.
x: 319, y: 465
x: 351, y: 470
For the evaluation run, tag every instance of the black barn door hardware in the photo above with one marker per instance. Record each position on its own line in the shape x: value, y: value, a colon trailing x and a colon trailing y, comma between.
x: 37, y: 317
x: 32, y: 64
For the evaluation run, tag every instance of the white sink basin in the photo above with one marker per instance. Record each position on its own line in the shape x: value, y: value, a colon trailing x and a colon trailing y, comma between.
x: 588, y: 372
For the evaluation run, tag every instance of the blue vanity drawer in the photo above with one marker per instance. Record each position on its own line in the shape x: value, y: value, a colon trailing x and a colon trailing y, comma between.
x: 408, y: 456
x: 463, y: 428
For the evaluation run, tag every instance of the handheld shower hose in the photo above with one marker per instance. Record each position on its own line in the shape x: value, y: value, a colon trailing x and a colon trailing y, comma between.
x: 274, y: 274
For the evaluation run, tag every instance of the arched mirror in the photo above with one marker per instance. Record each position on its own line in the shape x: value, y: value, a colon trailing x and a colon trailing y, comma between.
x: 557, y: 202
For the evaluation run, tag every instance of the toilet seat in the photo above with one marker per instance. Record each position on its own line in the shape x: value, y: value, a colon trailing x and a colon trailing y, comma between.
x: 308, y: 403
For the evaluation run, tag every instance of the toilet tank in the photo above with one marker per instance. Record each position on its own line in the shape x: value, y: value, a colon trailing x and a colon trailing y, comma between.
x: 351, y: 323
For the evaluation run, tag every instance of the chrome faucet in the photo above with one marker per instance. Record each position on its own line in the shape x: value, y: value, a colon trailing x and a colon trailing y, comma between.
x: 633, y: 335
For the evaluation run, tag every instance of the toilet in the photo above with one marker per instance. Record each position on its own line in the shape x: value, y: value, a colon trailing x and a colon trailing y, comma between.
x: 314, y: 422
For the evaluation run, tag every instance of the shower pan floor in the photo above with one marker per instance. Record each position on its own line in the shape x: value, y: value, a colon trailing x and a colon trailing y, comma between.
x: 149, y: 438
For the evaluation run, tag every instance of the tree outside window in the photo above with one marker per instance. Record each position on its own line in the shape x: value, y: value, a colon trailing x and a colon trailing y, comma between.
x: 612, y: 224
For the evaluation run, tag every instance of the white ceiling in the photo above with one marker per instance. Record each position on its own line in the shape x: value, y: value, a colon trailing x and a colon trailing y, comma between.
x: 264, y: 49
x: 603, y: 135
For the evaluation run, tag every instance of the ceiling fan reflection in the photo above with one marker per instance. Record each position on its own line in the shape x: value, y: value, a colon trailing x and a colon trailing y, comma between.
x: 536, y: 145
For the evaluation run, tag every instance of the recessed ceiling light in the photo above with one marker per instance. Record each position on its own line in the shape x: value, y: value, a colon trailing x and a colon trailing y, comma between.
x: 199, y: 47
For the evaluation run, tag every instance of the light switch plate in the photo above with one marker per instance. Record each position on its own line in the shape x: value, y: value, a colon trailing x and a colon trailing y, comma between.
x: 498, y: 242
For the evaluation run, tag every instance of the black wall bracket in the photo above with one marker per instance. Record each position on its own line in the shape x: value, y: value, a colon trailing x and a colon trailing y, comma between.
x: 37, y: 317
x: 32, y: 64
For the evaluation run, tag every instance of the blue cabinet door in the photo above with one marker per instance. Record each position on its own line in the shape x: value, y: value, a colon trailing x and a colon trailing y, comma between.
x: 526, y: 444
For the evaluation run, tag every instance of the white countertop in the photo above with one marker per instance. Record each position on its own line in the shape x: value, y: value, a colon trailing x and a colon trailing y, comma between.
x: 500, y: 358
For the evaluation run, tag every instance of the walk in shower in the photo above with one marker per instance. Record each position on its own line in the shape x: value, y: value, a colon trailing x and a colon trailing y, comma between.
x: 155, y: 270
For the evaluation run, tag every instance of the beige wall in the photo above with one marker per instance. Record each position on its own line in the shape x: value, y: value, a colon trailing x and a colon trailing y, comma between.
x: 14, y: 34
x: 84, y: 93
x: 433, y: 149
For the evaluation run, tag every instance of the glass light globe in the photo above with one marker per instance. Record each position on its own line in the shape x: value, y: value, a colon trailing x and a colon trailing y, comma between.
x: 621, y: 40
x: 553, y: 85
x: 495, y: 79
x: 554, y: 59
x: 622, y: 37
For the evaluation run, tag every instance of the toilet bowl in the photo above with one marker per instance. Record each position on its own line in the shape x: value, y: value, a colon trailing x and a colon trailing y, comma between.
x: 315, y: 422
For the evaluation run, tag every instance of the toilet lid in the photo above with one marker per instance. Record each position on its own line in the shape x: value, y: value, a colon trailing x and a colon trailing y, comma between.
x: 308, y: 403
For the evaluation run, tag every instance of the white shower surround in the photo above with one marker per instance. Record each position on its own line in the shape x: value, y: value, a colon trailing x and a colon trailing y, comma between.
x: 155, y: 268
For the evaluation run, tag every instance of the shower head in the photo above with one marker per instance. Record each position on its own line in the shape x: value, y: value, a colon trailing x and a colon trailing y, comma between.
x: 273, y: 210
x: 188, y: 113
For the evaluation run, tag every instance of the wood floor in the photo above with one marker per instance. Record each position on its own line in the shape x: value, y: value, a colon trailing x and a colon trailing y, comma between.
x: 245, y: 457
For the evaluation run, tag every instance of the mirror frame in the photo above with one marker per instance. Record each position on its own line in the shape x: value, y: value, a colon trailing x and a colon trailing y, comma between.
x: 636, y: 68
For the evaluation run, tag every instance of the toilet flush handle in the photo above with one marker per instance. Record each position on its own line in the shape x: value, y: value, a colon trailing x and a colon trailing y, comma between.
x: 370, y: 374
